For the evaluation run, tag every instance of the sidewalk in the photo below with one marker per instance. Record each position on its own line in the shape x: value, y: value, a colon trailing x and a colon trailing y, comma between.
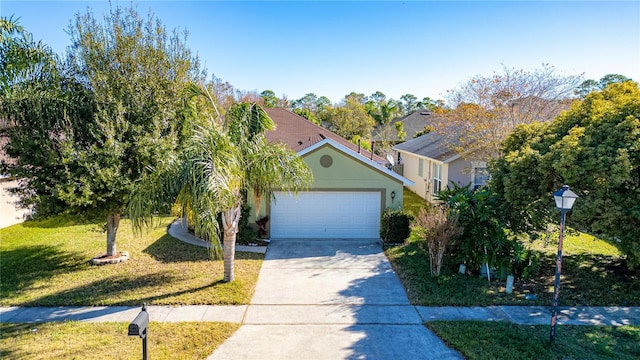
x: 206, y: 313
x: 340, y: 314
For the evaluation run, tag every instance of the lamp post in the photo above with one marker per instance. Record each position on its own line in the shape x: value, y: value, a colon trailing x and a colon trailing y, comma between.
x: 564, y: 202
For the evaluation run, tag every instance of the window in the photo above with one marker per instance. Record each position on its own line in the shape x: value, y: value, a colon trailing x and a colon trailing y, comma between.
x: 479, y: 174
x: 437, y: 178
x: 420, y: 167
x: 480, y: 177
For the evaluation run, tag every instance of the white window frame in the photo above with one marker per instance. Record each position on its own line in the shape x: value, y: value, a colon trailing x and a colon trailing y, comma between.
x: 437, y: 178
x: 479, y: 166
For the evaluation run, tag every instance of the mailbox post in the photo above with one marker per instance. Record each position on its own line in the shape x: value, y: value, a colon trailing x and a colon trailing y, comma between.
x: 138, y: 327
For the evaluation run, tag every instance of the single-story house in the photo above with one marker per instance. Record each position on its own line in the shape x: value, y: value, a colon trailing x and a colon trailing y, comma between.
x: 350, y: 190
x: 432, y: 166
x: 412, y: 124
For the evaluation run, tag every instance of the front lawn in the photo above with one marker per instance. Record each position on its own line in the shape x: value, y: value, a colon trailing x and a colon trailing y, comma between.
x: 502, y: 340
x: 46, y: 263
x: 593, y: 274
x: 79, y: 340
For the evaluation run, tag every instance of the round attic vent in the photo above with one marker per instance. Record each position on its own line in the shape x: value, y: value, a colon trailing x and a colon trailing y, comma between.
x: 326, y: 161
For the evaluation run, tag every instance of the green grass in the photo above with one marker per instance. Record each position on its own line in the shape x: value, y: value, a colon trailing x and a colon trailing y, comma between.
x: 412, y: 203
x: 501, y: 340
x: 593, y: 274
x: 46, y: 263
x: 77, y: 340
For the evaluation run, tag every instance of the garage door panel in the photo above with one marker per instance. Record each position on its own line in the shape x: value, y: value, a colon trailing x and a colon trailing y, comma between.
x: 324, y: 214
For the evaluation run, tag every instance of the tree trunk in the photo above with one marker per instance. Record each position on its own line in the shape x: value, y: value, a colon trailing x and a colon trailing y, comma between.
x: 230, y: 221
x: 113, y: 220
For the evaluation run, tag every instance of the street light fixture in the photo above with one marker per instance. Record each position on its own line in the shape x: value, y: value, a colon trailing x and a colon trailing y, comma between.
x: 564, y: 202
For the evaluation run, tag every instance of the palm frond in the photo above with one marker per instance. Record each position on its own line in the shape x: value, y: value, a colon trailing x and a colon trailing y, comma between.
x: 245, y: 121
x: 275, y: 167
x: 154, y: 193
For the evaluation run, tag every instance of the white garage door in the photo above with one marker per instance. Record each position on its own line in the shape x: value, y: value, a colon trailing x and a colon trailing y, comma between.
x: 326, y: 214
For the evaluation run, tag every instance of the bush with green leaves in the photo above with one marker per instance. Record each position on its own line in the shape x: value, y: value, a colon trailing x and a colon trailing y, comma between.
x: 246, y: 233
x: 595, y: 148
x: 395, y: 226
x: 485, y: 238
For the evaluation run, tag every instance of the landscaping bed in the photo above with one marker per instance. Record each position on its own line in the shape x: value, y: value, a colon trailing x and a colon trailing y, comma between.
x: 593, y: 274
x: 596, y: 278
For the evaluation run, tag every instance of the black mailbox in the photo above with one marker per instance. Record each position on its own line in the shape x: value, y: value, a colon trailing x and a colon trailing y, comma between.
x: 139, y: 325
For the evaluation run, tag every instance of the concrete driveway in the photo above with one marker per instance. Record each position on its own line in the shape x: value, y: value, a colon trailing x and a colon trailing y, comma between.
x: 330, y: 299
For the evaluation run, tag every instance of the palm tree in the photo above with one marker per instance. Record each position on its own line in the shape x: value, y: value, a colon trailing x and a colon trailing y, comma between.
x: 224, y: 160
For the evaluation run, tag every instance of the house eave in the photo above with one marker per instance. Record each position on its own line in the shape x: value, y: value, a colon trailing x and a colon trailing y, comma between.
x: 444, y: 161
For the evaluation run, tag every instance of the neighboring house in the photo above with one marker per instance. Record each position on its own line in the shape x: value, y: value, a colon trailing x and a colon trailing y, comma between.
x: 432, y: 166
x: 350, y: 190
x: 412, y: 123
x: 10, y: 212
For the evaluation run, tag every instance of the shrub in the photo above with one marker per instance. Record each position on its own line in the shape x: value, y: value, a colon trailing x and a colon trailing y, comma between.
x: 484, y: 238
x: 246, y: 233
x: 439, y: 228
x: 395, y: 226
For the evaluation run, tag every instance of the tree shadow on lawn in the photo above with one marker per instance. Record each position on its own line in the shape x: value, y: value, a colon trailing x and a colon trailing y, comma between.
x: 61, y: 221
x: 22, y: 266
x: 168, y: 249
x: 122, y: 290
x: 590, y: 280
x: 587, y: 279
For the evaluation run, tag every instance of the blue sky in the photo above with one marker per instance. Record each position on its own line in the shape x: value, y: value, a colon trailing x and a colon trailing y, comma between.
x: 331, y: 48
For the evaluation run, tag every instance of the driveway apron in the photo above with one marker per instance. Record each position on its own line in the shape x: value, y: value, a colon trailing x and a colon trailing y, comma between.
x: 330, y: 299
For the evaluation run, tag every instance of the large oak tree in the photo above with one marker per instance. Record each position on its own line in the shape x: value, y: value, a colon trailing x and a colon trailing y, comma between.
x: 137, y: 73
x: 115, y: 108
x: 594, y: 148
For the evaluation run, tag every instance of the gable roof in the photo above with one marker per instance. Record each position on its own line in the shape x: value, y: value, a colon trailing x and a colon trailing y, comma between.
x: 413, y: 123
x: 429, y: 145
x: 299, y: 133
x: 355, y: 156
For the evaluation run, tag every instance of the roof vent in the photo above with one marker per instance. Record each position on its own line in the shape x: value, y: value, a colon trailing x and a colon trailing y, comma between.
x: 425, y: 113
x: 322, y: 137
x: 299, y: 142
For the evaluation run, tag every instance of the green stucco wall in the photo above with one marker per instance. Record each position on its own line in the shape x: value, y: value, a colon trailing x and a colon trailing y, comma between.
x: 344, y: 174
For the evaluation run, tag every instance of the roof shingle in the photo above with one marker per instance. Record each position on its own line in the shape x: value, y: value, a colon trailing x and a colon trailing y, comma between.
x: 299, y: 133
x: 431, y: 145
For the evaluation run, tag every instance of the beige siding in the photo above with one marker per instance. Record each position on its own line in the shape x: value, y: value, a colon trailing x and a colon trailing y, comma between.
x: 460, y: 172
x: 411, y: 164
x: 9, y: 213
x: 457, y: 171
